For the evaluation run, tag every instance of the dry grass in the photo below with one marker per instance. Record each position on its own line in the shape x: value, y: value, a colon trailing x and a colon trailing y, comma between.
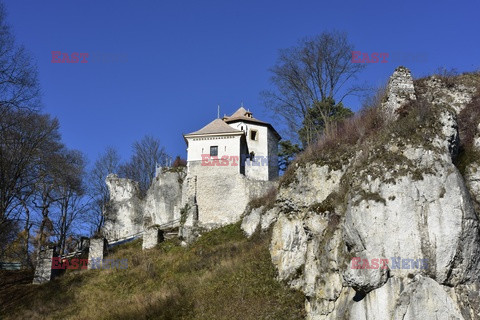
x: 267, y: 200
x: 222, y: 276
x: 416, y: 124
x: 369, y: 128
x: 336, y: 147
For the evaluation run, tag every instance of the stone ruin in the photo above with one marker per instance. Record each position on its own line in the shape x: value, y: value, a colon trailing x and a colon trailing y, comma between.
x: 400, y: 89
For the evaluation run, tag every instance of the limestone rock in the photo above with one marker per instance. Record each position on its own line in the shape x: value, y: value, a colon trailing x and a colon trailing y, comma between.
x: 438, y: 92
x: 417, y: 298
x: 124, y: 214
x: 472, y: 172
x: 258, y: 219
x: 396, y: 199
x: 163, y: 199
x: 268, y: 218
x: 313, y: 185
x: 251, y: 221
x: 476, y: 141
x: 288, y: 249
x: 472, y: 178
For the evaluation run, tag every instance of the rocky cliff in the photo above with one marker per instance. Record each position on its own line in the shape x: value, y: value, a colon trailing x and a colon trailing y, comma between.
x: 384, y: 225
x: 128, y: 213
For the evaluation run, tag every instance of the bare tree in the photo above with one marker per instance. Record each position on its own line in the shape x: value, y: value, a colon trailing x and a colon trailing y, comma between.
x: 19, y: 96
x: 317, y: 69
x: 70, y: 191
x: 108, y: 162
x: 147, y: 153
x: 25, y: 139
x: 18, y: 75
x: 50, y: 175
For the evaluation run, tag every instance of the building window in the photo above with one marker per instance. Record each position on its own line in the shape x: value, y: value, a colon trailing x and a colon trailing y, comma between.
x: 214, y: 151
x: 253, y: 135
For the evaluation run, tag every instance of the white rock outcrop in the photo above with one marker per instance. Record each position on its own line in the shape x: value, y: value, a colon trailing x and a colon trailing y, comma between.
x: 124, y: 214
x: 251, y: 221
x: 472, y: 171
x: 455, y: 95
x: 399, y: 200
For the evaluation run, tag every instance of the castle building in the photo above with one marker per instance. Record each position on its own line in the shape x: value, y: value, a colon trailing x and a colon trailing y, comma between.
x: 230, y: 162
x: 239, y: 143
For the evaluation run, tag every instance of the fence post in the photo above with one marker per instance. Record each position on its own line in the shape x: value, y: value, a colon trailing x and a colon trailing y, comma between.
x: 43, y: 268
x: 151, y: 237
x: 96, y: 252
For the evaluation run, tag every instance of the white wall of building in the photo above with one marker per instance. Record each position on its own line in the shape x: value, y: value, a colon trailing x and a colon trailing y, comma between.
x: 227, y: 145
x: 258, y: 168
x: 273, y: 155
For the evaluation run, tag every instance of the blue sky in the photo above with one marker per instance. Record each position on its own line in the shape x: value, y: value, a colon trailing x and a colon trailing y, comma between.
x: 183, y: 58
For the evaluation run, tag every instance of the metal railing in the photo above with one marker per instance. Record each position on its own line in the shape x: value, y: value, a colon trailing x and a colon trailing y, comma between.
x: 168, y: 225
x: 171, y: 224
x: 10, y: 265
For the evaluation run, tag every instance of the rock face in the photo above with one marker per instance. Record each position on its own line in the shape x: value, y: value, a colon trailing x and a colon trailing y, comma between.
x: 472, y: 174
x: 163, y: 200
x: 124, y: 214
x: 258, y: 219
x: 398, y: 199
x: 128, y: 213
x: 455, y: 95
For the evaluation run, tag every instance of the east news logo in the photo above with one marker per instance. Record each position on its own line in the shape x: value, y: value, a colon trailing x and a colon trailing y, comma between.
x: 364, y: 57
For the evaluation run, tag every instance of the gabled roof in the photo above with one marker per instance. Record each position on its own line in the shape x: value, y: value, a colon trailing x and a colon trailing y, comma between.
x: 242, y: 114
x: 246, y: 116
x: 215, y: 127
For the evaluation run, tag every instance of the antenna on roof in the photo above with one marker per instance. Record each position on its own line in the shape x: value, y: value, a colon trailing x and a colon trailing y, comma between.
x: 218, y: 112
x: 241, y: 104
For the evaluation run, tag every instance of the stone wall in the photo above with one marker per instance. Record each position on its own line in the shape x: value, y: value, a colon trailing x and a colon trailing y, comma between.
x: 206, y: 197
x: 399, y: 90
x: 273, y: 159
x: 222, y: 196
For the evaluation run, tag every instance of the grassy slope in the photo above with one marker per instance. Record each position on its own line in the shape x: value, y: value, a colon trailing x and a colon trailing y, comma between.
x: 222, y: 276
